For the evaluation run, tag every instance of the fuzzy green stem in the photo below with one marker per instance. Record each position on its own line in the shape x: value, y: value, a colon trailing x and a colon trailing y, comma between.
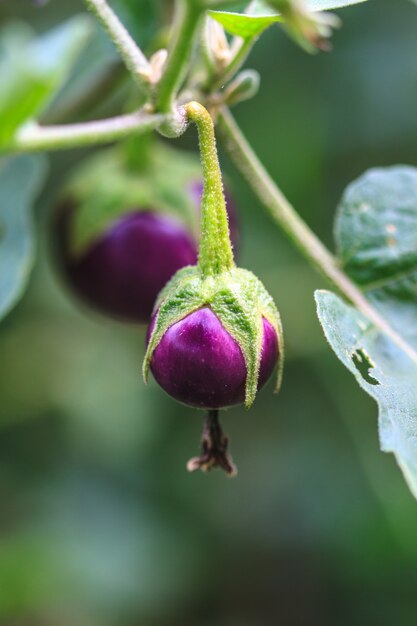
x: 188, y: 14
x: 215, y: 253
x: 32, y: 137
x: 132, y: 55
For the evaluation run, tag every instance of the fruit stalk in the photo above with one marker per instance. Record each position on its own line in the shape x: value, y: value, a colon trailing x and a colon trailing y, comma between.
x: 215, y: 253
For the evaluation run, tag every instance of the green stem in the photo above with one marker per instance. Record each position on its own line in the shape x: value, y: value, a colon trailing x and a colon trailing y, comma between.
x: 188, y: 13
x: 35, y: 138
x: 295, y: 228
x: 215, y: 253
x: 132, y: 55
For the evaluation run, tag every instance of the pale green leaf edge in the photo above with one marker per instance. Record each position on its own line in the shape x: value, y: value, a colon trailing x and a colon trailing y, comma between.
x: 324, y: 299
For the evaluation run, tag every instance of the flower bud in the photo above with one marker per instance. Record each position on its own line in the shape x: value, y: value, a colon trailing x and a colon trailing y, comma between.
x: 310, y: 29
x: 243, y: 87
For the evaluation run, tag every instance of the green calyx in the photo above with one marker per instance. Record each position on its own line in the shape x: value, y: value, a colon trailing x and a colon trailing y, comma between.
x: 109, y: 185
x: 239, y: 300
x: 236, y: 296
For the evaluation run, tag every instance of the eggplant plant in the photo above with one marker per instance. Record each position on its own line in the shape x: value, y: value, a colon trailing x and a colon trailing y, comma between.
x: 133, y: 241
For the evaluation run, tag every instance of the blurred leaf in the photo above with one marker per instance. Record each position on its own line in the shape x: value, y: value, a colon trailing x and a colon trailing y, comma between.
x: 20, y: 179
x: 377, y: 244
x: 31, y: 73
x: 262, y: 16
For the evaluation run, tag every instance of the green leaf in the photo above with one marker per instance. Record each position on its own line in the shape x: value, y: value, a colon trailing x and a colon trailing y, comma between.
x: 33, y: 69
x: 245, y: 26
x: 262, y: 16
x: 20, y: 180
x: 376, y: 235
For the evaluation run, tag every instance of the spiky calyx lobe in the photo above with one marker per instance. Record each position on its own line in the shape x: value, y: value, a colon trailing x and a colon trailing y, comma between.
x: 241, y: 314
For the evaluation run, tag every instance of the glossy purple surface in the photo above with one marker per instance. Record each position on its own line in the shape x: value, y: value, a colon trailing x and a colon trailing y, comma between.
x: 122, y: 273
x: 198, y: 363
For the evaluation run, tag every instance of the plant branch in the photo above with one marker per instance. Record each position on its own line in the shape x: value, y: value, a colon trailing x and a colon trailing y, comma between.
x: 132, y: 55
x: 284, y: 214
x: 188, y: 13
x: 33, y: 138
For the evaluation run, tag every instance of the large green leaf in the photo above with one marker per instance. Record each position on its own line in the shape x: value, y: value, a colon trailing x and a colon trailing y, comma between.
x: 262, y: 16
x: 32, y: 69
x: 376, y: 235
x: 20, y: 180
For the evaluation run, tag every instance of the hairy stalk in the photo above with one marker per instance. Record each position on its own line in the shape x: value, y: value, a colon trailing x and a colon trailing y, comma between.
x: 284, y: 214
x: 32, y: 137
x: 215, y: 254
x: 188, y: 13
x: 132, y: 55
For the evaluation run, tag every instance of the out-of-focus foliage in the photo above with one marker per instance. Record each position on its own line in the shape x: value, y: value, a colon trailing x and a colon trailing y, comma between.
x: 33, y: 68
x: 100, y: 524
x: 20, y: 182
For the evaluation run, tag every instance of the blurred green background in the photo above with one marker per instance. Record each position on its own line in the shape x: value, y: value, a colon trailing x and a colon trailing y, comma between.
x: 100, y: 524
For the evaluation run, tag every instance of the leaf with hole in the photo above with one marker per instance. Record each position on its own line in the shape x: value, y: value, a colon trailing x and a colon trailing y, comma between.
x: 20, y: 181
x: 32, y: 69
x: 376, y: 235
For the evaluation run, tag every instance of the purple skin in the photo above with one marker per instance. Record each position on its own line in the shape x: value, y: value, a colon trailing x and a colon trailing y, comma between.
x: 122, y: 272
x: 198, y: 362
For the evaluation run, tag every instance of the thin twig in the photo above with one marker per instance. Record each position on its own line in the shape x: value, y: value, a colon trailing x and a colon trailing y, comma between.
x: 132, y: 55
